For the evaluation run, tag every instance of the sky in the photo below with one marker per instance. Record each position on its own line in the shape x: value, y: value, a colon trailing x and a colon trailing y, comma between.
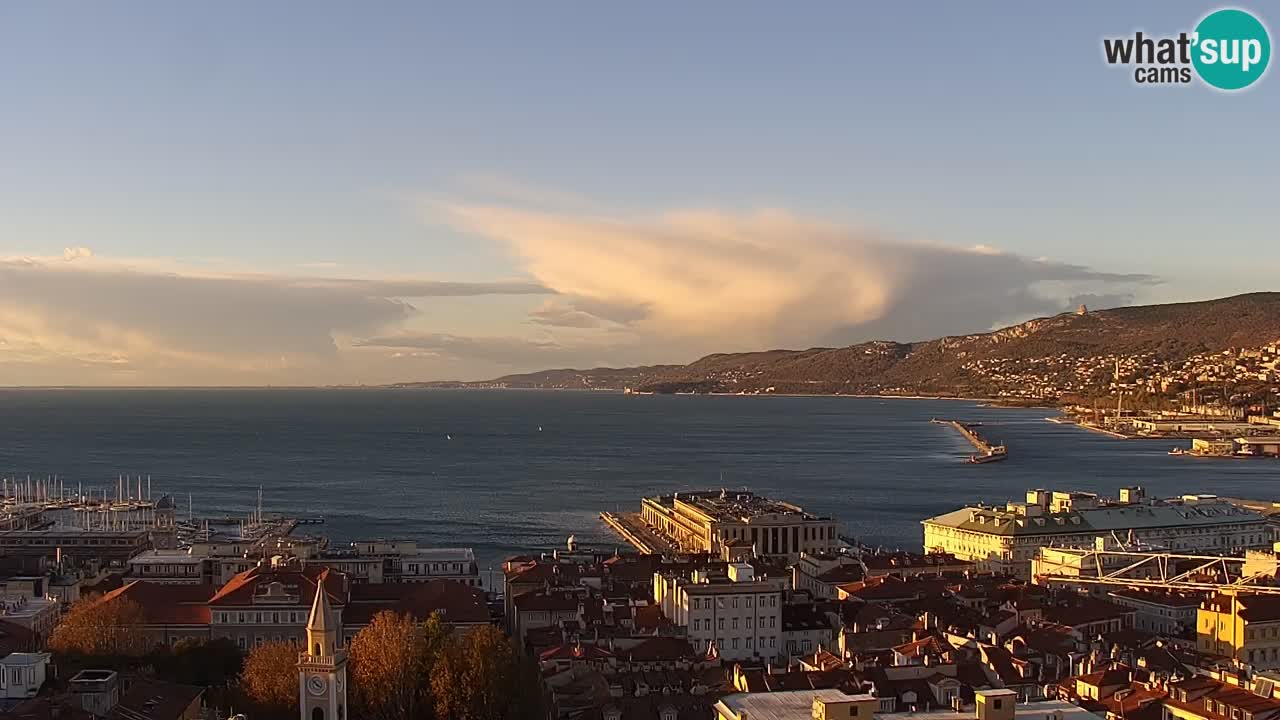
x: 245, y: 193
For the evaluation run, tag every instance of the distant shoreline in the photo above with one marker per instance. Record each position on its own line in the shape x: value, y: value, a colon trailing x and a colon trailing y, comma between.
x: 995, y: 402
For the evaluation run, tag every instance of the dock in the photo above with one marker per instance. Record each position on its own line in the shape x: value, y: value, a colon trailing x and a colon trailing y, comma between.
x: 987, y: 451
x: 631, y: 528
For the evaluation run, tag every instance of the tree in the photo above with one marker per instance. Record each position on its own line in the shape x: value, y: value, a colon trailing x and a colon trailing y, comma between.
x: 480, y: 675
x: 199, y: 662
x: 104, y: 628
x: 270, y: 677
x: 390, y: 661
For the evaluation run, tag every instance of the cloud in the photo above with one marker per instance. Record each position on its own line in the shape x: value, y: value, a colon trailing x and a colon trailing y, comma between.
x: 91, y: 314
x: 507, y: 351
x: 705, y: 281
x: 76, y: 253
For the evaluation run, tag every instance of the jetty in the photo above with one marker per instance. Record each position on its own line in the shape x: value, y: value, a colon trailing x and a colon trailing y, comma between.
x: 634, y: 530
x: 987, y: 451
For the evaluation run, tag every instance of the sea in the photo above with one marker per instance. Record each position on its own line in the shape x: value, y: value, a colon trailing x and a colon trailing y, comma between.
x: 509, y: 471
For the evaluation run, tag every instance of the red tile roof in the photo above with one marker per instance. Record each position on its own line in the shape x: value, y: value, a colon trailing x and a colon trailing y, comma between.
x: 458, y: 603
x: 241, y: 589
x: 167, y: 604
x: 658, y: 649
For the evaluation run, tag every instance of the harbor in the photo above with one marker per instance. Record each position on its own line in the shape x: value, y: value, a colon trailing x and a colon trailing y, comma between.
x: 987, y: 451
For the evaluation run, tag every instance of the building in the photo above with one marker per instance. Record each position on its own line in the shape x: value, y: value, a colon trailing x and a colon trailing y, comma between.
x: 739, y: 614
x: 821, y: 575
x: 1204, y: 698
x: 271, y: 603
x: 378, y: 561
x: 1243, y: 627
x: 907, y: 563
x: 76, y: 545
x: 369, y: 561
x: 704, y: 522
x: 95, y: 694
x: 22, y: 675
x: 37, y: 615
x: 826, y: 704
x: 1005, y: 539
x: 322, y: 665
x: 1163, y: 613
x: 170, y: 566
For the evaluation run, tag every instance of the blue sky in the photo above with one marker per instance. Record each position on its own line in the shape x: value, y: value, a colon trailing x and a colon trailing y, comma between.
x: 444, y: 142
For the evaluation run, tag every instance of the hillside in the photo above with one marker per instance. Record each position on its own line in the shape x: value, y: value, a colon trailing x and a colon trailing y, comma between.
x: 1155, y: 348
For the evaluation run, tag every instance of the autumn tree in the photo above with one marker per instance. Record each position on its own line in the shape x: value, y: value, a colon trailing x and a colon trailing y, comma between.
x: 390, y: 661
x: 106, y: 628
x: 270, y: 677
x: 480, y: 675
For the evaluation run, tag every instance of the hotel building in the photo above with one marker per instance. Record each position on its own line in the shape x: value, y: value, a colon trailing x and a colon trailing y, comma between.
x: 1006, y: 539
x: 704, y: 522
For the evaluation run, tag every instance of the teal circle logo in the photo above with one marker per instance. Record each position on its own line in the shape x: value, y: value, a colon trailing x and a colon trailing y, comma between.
x: 1231, y: 49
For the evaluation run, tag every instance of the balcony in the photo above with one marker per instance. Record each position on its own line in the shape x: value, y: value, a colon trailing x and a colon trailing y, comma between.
x: 323, y: 661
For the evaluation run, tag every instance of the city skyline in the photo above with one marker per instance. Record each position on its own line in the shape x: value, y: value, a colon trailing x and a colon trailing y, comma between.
x: 246, y: 195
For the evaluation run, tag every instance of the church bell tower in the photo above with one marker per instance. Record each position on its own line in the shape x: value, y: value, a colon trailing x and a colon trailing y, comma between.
x: 322, y: 667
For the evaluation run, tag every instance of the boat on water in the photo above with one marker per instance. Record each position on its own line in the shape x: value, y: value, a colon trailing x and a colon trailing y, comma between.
x: 995, y: 454
x: 1178, y: 451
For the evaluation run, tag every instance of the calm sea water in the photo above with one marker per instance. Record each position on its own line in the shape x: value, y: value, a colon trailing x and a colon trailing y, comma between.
x: 503, y: 472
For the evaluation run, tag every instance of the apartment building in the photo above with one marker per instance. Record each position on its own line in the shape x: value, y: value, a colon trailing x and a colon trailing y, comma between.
x: 1240, y: 626
x: 739, y: 613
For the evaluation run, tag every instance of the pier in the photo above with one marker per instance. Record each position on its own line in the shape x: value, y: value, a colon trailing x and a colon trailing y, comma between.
x: 630, y: 527
x: 987, y: 452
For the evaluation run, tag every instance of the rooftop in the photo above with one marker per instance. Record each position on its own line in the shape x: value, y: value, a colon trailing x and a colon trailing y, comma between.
x: 736, y: 506
x: 784, y: 705
x: 1179, y: 512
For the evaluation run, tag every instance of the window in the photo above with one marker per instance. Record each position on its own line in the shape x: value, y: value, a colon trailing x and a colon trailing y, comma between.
x: 748, y: 601
x: 697, y: 624
x: 720, y: 624
x: 995, y: 703
x: 735, y: 623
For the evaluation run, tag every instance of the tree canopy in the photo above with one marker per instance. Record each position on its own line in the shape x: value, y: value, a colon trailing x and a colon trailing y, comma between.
x: 101, y: 628
x: 270, y: 676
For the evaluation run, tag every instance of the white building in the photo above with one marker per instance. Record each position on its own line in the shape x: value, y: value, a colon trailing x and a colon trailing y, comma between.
x: 170, y: 567
x: 1005, y: 539
x: 741, y: 614
x: 22, y: 675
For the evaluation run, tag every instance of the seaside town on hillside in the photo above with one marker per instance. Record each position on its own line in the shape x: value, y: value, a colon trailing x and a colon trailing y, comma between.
x: 1054, y: 376
x: 727, y: 605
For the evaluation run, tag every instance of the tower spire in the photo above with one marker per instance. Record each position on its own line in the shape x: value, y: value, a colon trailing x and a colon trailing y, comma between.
x: 322, y: 633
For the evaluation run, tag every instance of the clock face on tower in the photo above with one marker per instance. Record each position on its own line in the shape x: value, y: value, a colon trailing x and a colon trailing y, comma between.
x: 316, y: 685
